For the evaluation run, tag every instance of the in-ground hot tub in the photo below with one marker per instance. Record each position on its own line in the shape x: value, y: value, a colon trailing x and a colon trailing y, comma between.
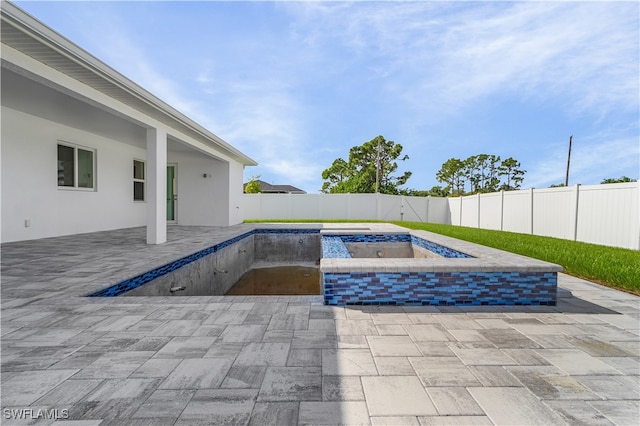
x: 460, y: 273
x: 396, y: 267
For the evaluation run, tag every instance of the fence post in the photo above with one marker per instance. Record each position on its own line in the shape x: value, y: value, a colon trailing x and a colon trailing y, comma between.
x: 502, y: 210
x: 378, y: 206
x: 426, y: 213
x: 478, y: 218
x: 460, y: 213
x: 531, y: 205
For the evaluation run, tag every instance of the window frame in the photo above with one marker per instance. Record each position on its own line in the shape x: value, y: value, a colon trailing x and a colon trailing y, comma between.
x: 138, y: 180
x: 94, y: 166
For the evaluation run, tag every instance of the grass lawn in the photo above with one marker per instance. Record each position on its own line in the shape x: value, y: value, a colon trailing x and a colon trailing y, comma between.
x: 614, y: 267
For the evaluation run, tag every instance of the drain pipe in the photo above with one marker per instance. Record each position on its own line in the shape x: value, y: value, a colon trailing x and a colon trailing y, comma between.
x: 176, y: 289
x: 218, y: 271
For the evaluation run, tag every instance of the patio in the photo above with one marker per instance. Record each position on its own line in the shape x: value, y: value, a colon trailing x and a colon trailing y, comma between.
x: 291, y: 359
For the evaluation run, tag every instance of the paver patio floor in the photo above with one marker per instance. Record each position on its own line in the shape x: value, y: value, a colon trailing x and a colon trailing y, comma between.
x: 292, y: 360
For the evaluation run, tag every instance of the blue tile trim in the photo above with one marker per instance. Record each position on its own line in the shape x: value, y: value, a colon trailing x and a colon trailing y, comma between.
x: 137, y: 281
x: 437, y: 248
x: 334, y: 248
x: 440, y: 288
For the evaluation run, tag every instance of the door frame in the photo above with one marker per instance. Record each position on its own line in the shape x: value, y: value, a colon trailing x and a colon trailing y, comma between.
x: 174, y: 192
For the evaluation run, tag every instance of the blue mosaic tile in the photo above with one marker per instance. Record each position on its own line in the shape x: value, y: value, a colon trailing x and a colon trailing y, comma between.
x: 441, y: 289
x: 131, y: 283
x: 333, y: 248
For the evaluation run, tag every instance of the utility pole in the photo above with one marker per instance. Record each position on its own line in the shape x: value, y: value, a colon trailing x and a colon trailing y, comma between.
x: 566, y: 179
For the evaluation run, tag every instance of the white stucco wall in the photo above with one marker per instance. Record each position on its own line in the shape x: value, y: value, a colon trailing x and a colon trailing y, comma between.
x: 201, y: 201
x: 29, y: 182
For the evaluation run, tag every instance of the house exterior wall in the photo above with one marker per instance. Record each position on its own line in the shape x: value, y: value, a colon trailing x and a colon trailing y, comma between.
x: 201, y: 201
x: 29, y: 182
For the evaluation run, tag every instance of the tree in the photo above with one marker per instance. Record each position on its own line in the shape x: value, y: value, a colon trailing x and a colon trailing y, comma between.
x: 252, y: 186
x: 621, y: 179
x: 370, y: 167
x: 510, y: 170
x: 483, y: 172
x: 453, y: 174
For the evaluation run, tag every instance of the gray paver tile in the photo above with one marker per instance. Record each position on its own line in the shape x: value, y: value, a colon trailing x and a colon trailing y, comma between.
x: 114, y: 399
x: 220, y: 407
x: 263, y: 354
x: 396, y: 396
x: 443, y: 371
x: 577, y: 412
x: 574, y: 361
x: 274, y: 414
x: 392, y: 346
x: 482, y: 356
x: 454, y: 401
x: 435, y: 349
x: 333, y: 413
x: 494, y: 376
x: 305, y: 358
x: 114, y: 365
x: 394, y: 421
x: 548, y: 382
x: 619, y: 412
x: 517, y: 406
x: 358, y: 327
x: 394, y: 366
x: 186, y: 347
x: 291, y: 384
x: 156, y: 368
x: 508, y: 339
x: 613, y: 387
x: 68, y: 392
x: 197, y: 374
x: 342, y: 388
x: 428, y: 333
x: 455, y: 421
x: 348, y: 362
x: 245, y: 377
x: 176, y: 327
x: 313, y: 339
x: 242, y: 333
x: 165, y: 403
x: 149, y: 344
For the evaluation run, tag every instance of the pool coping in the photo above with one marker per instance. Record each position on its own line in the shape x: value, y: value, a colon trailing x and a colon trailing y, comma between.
x: 485, y: 259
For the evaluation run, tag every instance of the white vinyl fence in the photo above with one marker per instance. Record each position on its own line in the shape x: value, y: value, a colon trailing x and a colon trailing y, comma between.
x: 600, y: 214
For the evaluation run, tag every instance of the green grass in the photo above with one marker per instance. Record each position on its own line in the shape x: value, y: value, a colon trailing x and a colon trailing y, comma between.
x: 610, y: 266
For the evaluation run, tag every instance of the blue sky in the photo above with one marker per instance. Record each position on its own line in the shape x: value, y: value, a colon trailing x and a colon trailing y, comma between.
x: 294, y: 85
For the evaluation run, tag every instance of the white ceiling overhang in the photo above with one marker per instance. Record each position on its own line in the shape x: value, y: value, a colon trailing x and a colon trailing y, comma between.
x: 25, y: 34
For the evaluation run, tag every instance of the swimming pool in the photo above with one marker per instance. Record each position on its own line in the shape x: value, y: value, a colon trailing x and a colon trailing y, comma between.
x: 359, y: 267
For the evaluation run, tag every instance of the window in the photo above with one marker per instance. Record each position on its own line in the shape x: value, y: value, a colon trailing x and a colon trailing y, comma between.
x: 76, y: 167
x: 138, y: 180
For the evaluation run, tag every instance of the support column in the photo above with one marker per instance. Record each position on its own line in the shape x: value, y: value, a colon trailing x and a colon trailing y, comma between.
x: 156, y: 186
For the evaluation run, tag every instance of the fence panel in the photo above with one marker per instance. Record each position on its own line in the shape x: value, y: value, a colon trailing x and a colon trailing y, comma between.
x: 309, y: 207
x: 491, y: 211
x: 335, y: 206
x: 469, y: 211
x: 439, y: 210
x: 415, y: 209
x: 554, y: 212
x: 516, y: 215
x: 608, y: 214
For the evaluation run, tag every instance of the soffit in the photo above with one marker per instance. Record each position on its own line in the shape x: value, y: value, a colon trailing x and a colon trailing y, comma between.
x: 27, y: 35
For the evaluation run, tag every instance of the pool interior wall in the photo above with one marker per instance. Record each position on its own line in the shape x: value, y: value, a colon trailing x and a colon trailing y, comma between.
x: 217, y: 272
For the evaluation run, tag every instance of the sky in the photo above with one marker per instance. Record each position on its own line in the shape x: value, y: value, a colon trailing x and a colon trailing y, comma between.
x: 295, y: 85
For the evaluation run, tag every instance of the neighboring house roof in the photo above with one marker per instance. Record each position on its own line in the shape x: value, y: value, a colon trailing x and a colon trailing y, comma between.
x: 24, y: 33
x: 267, y: 188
